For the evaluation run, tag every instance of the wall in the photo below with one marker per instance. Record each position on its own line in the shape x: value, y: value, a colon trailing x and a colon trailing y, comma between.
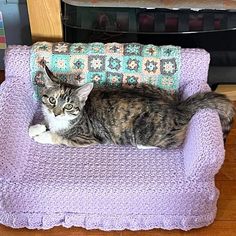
x: 16, y: 22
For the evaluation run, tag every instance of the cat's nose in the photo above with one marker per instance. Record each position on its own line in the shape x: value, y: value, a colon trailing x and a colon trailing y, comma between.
x: 57, y: 113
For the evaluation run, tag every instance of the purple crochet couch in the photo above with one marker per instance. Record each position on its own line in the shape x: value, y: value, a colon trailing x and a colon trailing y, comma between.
x: 106, y: 187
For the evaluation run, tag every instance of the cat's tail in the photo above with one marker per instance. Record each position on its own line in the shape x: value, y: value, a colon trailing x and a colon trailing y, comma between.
x: 211, y: 100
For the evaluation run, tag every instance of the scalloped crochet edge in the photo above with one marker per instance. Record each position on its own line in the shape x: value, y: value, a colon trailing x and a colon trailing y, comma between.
x: 105, y: 222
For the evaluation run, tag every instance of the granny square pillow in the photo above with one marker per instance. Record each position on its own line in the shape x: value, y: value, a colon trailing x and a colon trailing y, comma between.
x: 107, y: 65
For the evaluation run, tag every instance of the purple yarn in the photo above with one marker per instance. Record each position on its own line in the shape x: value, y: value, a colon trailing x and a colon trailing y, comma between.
x: 105, y: 187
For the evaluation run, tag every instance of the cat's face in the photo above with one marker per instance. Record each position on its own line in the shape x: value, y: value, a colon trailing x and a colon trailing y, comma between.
x: 63, y: 101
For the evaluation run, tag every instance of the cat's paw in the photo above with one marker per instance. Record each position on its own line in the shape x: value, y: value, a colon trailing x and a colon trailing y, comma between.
x: 35, y: 130
x: 45, y: 138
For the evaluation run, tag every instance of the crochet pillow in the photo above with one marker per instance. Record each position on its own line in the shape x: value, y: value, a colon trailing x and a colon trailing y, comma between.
x: 114, y: 65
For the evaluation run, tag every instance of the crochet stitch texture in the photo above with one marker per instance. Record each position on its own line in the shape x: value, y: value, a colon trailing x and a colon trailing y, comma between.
x: 105, y: 187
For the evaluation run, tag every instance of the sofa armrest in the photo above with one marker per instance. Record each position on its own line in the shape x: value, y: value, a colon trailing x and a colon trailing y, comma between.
x: 203, y: 149
x: 17, y: 62
x: 15, y: 96
x: 192, y: 87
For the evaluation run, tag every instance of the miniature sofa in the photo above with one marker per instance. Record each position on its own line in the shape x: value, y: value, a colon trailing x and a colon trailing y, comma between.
x: 106, y: 187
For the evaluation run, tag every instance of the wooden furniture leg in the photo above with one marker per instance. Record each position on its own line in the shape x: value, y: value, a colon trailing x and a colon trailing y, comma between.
x: 45, y: 20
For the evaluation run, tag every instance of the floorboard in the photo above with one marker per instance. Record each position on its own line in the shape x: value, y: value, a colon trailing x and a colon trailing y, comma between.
x: 224, y: 225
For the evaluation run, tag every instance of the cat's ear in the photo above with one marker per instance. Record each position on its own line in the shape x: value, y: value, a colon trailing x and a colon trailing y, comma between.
x: 50, y: 79
x: 83, y: 92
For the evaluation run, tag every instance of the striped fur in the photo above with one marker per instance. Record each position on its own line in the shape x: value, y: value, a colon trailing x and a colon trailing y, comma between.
x: 146, y: 116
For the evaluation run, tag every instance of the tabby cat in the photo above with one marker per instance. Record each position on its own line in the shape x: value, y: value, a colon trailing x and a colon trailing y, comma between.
x: 145, y: 117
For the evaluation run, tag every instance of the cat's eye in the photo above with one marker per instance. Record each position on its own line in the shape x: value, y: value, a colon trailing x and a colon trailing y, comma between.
x: 68, y: 106
x: 52, y: 100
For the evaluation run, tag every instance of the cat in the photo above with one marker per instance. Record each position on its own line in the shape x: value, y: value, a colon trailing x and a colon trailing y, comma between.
x: 145, y: 117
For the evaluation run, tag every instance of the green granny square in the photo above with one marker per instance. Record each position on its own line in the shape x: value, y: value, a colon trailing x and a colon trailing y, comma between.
x: 98, y: 78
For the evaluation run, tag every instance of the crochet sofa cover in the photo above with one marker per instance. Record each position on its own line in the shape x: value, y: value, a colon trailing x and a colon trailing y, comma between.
x: 105, y: 187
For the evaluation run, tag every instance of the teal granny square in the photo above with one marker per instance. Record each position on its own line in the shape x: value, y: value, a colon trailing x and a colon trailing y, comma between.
x: 169, y: 52
x: 60, y: 63
x: 150, y: 50
x: 96, y: 48
x: 132, y: 64
x: 78, y: 63
x: 98, y: 78
x: 79, y: 48
x: 114, y: 79
x: 114, y: 63
x: 133, y: 49
x: 166, y: 82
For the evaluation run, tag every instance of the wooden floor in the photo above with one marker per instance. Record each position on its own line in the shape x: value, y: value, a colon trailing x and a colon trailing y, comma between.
x: 1, y: 76
x: 224, y: 225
